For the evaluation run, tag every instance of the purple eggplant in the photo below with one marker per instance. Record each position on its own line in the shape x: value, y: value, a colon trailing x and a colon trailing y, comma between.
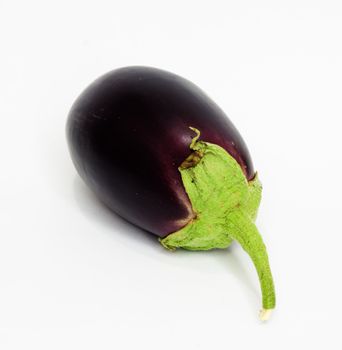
x: 161, y: 154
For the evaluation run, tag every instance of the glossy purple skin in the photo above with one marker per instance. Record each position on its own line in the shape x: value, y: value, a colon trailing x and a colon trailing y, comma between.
x: 128, y: 132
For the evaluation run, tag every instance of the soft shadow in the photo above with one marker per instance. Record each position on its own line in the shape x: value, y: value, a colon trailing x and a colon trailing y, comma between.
x: 231, y: 261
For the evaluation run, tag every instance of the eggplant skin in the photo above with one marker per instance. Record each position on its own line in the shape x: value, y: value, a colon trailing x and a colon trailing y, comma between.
x: 128, y: 133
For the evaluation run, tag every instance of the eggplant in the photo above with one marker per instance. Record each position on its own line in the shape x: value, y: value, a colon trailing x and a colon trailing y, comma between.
x: 162, y: 155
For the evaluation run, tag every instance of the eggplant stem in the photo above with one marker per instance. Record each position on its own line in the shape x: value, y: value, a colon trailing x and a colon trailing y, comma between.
x: 226, y: 205
x: 241, y: 228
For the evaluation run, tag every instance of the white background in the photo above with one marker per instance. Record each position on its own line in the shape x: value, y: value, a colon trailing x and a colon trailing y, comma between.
x: 75, y: 276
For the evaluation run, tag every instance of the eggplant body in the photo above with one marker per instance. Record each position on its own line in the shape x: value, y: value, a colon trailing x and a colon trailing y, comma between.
x: 134, y: 139
x: 128, y: 133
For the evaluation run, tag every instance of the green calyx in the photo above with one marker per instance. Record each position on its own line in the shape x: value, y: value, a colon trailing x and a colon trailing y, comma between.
x: 226, y: 206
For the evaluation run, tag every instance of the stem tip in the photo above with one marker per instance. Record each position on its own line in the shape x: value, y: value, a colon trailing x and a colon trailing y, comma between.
x: 265, y: 314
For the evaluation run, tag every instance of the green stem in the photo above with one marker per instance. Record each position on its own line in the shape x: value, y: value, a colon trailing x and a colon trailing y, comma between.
x: 243, y: 230
x: 226, y: 206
